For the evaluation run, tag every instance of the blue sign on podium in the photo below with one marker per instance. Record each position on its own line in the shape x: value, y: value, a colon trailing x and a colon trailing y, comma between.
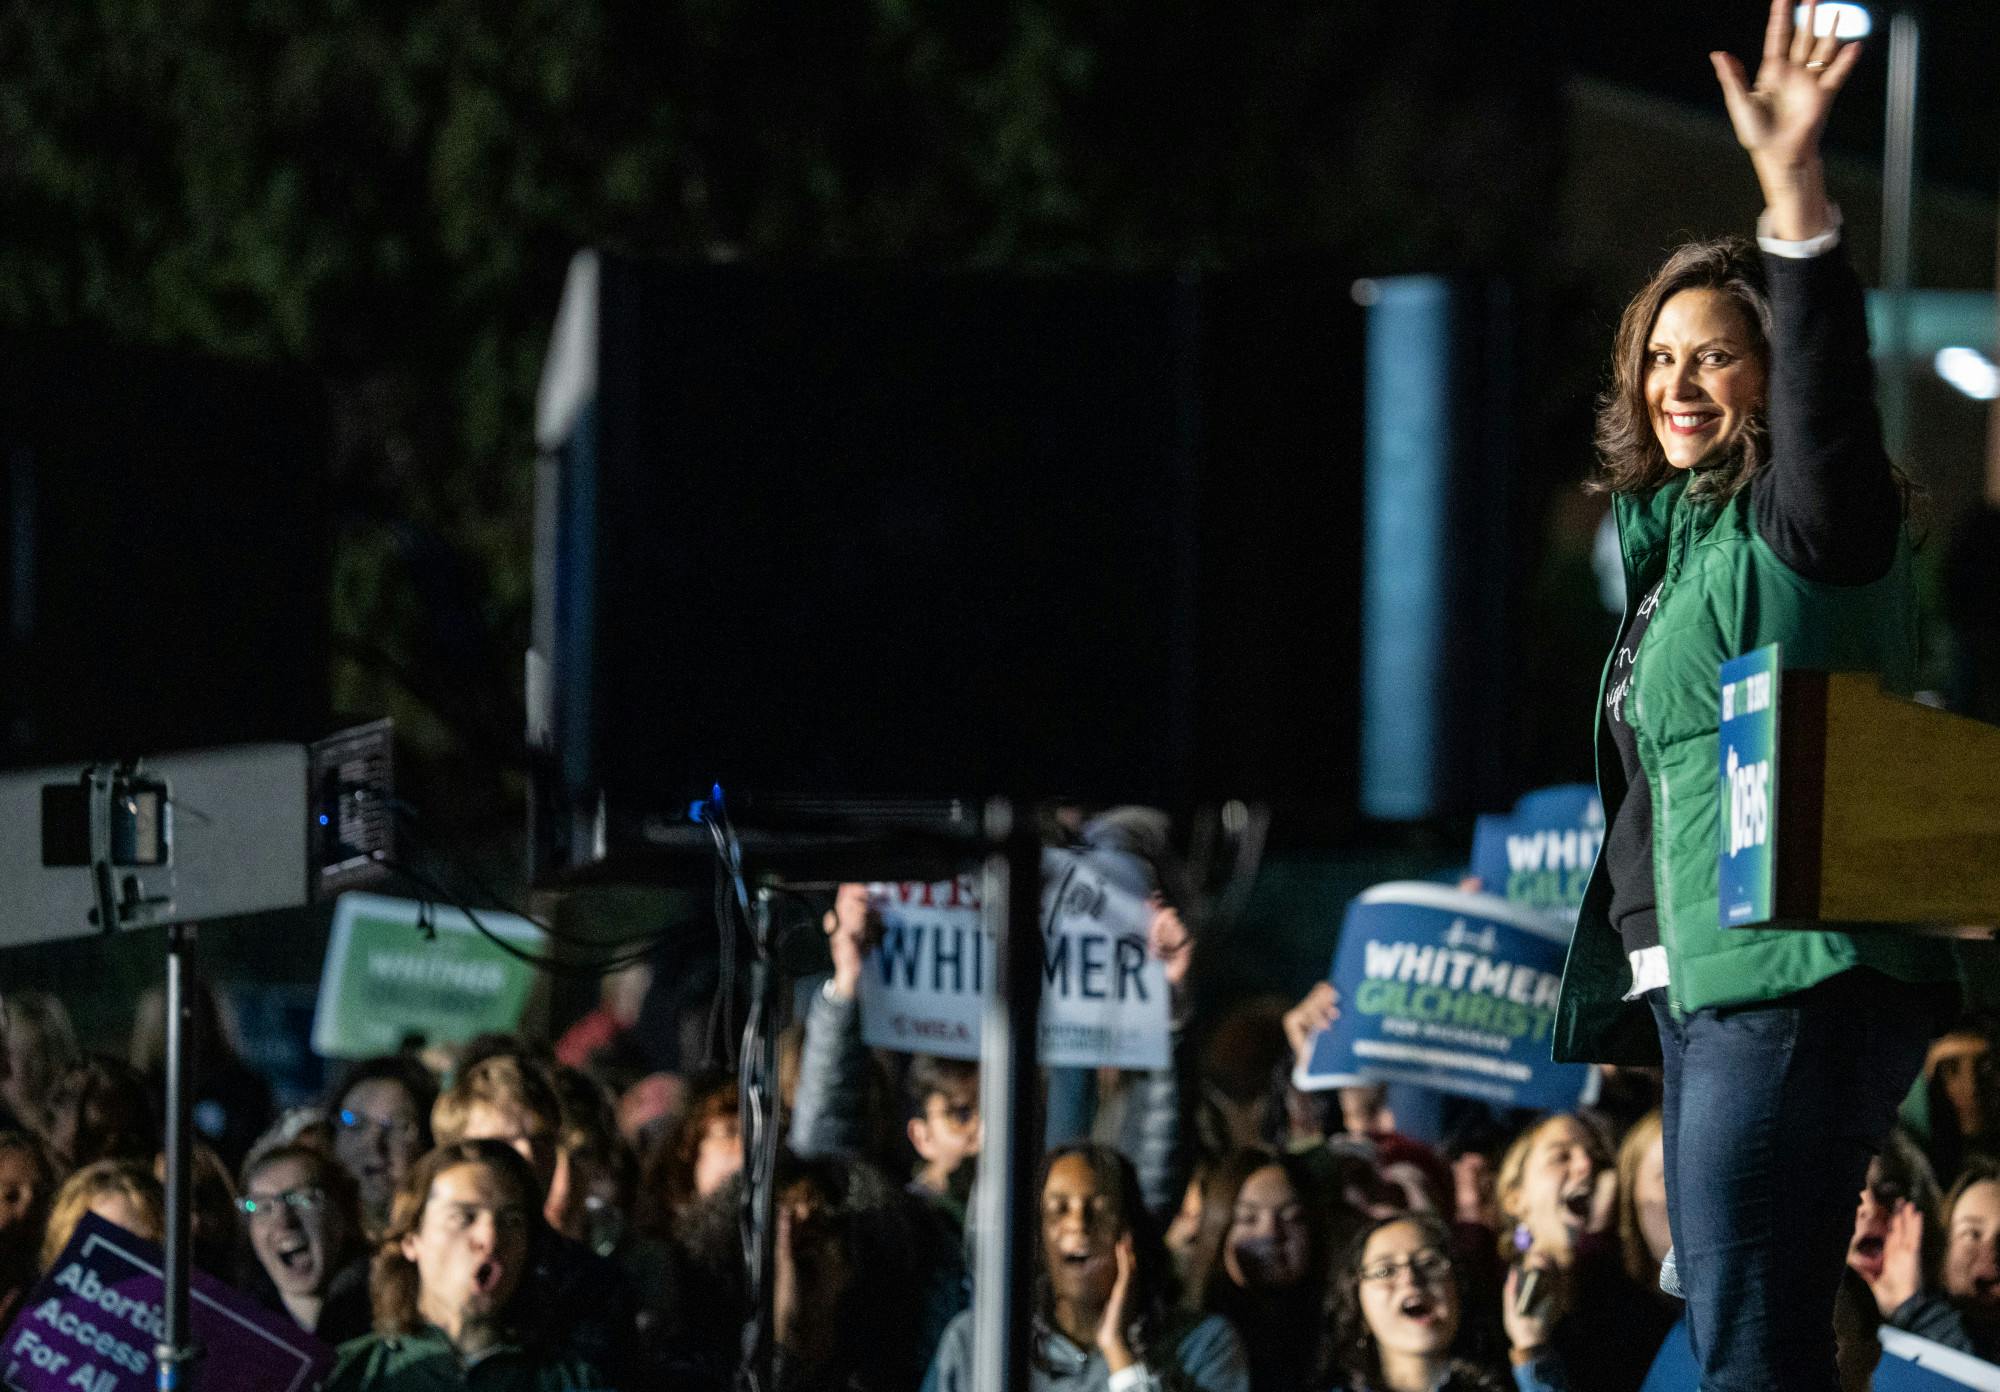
x: 1746, y: 868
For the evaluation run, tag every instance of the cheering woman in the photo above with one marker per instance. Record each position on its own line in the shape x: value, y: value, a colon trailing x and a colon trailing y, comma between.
x: 1755, y: 505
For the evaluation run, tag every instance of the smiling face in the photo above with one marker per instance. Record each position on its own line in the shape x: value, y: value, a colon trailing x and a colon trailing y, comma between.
x: 1704, y: 378
x: 470, y: 1246
x: 1080, y: 1232
x: 1409, y: 1296
x: 1267, y: 1245
x: 288, y: 1217
x: 1557, y: 1184
x: 1972, y: 1252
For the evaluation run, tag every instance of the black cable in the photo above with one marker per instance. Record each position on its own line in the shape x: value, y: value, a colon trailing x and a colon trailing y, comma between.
x: 410, y: 817
x: 555, y: 965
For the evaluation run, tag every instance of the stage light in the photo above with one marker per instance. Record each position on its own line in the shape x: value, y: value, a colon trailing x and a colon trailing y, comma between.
x: 1853, y: 20
x: 1970, y: 370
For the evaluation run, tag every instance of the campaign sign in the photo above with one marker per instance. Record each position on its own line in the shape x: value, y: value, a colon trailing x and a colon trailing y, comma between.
x: 1749, y: 773
x: 1911, y: 1363
x: 1540, y: 855
x: 398, y: 967
x: 1104, y: 998
x: 91, y: 1323
x: 1450, y: 991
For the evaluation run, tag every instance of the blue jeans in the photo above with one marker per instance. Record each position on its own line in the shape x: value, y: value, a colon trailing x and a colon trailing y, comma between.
x: 1772, y: 1112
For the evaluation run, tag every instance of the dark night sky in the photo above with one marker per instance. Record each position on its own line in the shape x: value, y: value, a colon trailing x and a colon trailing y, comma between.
x: 1662, y: 46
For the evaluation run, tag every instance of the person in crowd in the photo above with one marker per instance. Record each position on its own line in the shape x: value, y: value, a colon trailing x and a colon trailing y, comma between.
x: 1102, y: 1312
x: 1899, y: 1179
x: 1755, y: 505
x: 232, y: 1101
x: 302, y: 1219
x: 27, y: 1187
x: 701, y: 1152
x: 856, y: 1282
x: 1418, y: 1173
x: 944, y: 1129
x: 119, y: 1191
x: 381, y: 1118
x: 1557, y: 1187
x: 601, y: 1043
x: 1260, y: 1260
x: 451, y: 1284
x: 212, y: 1212
x: 1400, y: 1322
x: 1962, y: 1095
x: 101, y: 1110
x: 581, y: 1295
x: 1473, y: 1148
x: 41, y: 1048
x: 1644, y: 1236
x: 1905, y: 1270
x: 840, y: 1098
x: 587, y: 1154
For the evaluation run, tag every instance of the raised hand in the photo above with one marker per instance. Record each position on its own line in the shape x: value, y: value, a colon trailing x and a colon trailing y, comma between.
x: 850, y: 928
x: 1902, y: 1259
x: 1781, y: 116
x: 1317, y: 1012
x: 1169, y: 941
x: 1778, y: 119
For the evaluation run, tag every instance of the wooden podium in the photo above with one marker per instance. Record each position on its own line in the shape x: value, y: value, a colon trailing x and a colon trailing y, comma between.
x: 1888, y: 811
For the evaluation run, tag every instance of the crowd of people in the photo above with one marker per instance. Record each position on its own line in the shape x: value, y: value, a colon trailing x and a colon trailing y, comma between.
x: 537, y: 1217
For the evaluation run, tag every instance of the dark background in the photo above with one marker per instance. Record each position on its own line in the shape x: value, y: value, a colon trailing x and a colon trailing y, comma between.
x: 382, y: 208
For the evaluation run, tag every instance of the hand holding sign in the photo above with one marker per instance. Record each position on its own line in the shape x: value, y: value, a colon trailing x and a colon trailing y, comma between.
x: 1169, y: 941
x: 1450, y: 991
x: 851, y: 929
x: 1311, y: 1017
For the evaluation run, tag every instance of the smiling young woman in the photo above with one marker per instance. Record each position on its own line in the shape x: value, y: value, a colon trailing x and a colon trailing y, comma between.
x: 1755, y: 505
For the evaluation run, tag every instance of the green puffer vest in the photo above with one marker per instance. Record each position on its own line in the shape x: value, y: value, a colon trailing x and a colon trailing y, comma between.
x: 1724, y: 592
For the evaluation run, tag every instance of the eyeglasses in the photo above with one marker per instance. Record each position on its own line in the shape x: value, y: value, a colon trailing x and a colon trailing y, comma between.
x: 267, y: 1206
x: 959, y: 1114
x: 401, y: 1129
x: 1426, y: 1268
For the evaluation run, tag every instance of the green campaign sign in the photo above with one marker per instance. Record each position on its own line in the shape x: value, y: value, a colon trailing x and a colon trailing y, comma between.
x: 399, y: 967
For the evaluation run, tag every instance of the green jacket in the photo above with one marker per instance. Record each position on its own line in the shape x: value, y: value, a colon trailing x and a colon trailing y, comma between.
x: 426, y: 1362
x: 1724, y: 592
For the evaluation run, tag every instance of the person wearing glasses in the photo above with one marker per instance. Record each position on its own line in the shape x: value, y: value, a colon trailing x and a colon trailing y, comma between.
x: 1400, y: 1322
x: 302, y: 1218
x: 381, y: 1123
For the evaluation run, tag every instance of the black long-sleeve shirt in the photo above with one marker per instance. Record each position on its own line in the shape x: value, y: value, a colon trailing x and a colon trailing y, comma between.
x: 1826, y: 502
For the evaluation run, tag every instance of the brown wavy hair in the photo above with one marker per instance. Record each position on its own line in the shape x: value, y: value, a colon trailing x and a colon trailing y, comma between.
x: 393, y: 1279
x: 1630, y: 459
